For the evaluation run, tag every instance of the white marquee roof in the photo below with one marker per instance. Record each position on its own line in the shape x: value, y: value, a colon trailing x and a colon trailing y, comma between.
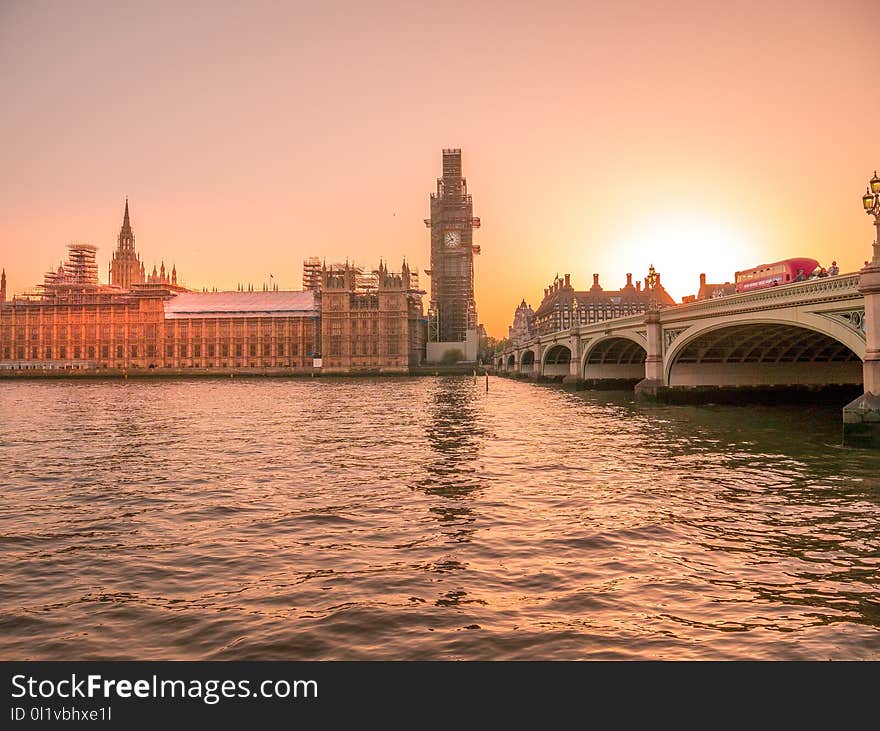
x: 243, y: 304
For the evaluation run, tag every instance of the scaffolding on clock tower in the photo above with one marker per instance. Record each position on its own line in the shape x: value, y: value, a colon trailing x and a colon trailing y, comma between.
x: 452, y: 312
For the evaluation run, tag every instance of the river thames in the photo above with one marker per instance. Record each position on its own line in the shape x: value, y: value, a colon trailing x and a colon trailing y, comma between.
x: 423, y: 518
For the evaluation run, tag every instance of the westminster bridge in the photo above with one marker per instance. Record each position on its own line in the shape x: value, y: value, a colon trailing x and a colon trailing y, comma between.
x: 816, y: 334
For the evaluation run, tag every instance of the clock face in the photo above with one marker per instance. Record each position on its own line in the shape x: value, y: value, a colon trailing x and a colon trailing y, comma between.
x: 451, y: 238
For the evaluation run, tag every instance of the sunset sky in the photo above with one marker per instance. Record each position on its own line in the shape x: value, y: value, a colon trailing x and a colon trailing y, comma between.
x: 596, y: 137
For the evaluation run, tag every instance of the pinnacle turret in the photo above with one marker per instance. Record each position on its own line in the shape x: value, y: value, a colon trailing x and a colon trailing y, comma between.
x: 126, y: 222
x: 125, y: 265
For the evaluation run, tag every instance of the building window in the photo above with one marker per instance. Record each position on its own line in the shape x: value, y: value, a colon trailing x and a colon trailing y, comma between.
x: 134, y: 351
x: 169, y: 351
x: 151, y: 351
x: 77, y: 353
x: 197, y: 351
x: 105, y: 351
x: 48, y: 352
x: 34, y: 353
x: 238, y: 351
x: 253, y: 350
x: 210, y: 351
x: 224, y: 350
x: 267, y: 350
x: 183, y: 351
x: 118, y: 351
x: 91, y: 352
x: 62, y: 352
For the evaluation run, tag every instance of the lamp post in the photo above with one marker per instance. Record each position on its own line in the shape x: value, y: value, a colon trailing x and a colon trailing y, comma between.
x: 651, y: 284
x: 861, y: 418
x: 871, y: 204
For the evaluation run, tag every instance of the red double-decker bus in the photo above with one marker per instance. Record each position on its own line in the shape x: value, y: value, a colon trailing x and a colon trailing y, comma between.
x: 771, y: 275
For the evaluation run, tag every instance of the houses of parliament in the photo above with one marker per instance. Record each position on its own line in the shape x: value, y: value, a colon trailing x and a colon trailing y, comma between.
x: 152, y: 323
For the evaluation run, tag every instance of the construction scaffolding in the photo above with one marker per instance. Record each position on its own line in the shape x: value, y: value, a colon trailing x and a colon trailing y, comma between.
x: 452, y: 311
x: 80, y: 269
x: 312, y: 273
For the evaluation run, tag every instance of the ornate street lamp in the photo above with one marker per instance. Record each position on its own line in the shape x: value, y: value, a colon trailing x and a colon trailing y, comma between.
x: 651, y: 282
x: 871, y: 204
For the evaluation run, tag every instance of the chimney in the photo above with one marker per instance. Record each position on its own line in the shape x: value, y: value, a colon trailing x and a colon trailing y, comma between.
x: 702, y: 280
x: 639, y: 286
x: 629, y: 279
x: 567, y: 280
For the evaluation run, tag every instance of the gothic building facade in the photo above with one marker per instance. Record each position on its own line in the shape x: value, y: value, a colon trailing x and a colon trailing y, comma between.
x: 367, y: 329
x: 358, y: 321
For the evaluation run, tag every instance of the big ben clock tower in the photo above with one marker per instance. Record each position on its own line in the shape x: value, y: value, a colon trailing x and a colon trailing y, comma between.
x: 452, y: 314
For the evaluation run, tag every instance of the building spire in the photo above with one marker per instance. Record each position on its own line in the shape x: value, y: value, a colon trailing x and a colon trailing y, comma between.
x: 126, y: 222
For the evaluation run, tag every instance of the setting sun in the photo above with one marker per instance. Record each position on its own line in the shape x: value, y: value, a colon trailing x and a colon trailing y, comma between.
x: 681, y: 246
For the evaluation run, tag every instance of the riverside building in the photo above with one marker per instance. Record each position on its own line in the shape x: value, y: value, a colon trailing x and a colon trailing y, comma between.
x: 150, y: 322
x: 367, y: 329
x: 563, y: 306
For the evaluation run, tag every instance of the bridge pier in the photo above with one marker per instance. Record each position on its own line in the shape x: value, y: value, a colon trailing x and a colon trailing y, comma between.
x: 652, y: 385
x: 861, y: 418
x: 573, y: 381
x: 537, y: 364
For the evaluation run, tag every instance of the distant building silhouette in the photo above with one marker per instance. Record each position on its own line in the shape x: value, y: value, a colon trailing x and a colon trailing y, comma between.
x: 523, y: 328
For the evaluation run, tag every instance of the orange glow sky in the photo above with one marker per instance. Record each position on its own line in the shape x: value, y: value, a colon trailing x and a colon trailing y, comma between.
x: 597, y: 137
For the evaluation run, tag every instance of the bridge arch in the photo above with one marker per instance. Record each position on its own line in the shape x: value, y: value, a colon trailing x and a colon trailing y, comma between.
x: 614, y: 358
x: 527, y: 361
x: 556, y: 360
x: 748, y: 351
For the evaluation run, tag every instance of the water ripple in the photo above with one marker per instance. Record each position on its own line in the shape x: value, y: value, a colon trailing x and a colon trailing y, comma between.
x: 425, y: 518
